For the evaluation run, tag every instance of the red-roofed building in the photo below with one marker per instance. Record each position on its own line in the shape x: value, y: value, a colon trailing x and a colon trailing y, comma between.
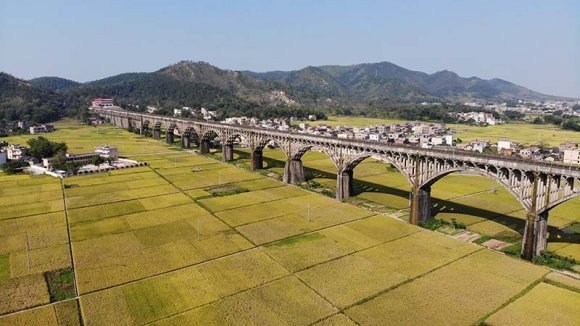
x: 102, y: 102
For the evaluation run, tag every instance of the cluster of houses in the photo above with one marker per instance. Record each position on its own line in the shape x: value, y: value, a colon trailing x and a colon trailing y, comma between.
x: 530, y: 107
x: 109, y: 154
x: 35, y: 129
x: 413, y: 133
x: 281, y: 124
x: 479, y: 118
x: 202, y: 112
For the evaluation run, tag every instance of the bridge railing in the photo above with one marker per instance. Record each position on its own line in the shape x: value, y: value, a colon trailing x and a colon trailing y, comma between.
x: 359, y: 143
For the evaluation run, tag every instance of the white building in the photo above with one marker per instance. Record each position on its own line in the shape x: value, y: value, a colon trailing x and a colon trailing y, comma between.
x: 41, y: 129
x: 503, y: 143
x: 479, y: 145
x: 572, y: 156
x: 448, y: 140
x: 107, y: 151
x: 15, y: 152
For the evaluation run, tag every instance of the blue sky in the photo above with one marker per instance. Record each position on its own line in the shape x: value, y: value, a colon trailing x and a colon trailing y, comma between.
x: 532, y: 43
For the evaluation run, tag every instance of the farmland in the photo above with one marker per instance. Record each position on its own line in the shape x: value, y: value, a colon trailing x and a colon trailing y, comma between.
x: 165, y: 244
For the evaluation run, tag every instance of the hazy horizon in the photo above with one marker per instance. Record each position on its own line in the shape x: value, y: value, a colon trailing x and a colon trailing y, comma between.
x: 533, y: 44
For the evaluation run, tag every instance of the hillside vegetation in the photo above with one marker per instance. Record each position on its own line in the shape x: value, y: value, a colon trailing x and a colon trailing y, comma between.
x: 376, y: 89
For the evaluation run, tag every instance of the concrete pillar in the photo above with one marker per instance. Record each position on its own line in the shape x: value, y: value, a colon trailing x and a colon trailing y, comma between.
x: 257, y: 160
x: 169, y: 137
x: 185, y: 141
x: 344, y: 184
x: 535, y: 235
x: 227, y: 152
x: 420, y: 205
x: 204, y: 146
x: 156, y: 133
x: 294, y: 172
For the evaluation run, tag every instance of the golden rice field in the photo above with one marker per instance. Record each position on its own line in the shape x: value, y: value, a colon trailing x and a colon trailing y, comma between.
x: 152, y: 245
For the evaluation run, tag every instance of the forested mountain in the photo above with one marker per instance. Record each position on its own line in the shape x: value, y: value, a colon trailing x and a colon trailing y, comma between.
x: 385, y: 82
x: 20, y: 100
x: 54, y: 83
x: 370, y: 89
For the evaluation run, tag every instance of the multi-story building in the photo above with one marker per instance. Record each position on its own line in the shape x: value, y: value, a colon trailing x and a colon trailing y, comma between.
x: 107, y: 152
x: 41, y: 129
x: 503, y: 144
x: 479, y: 145
x: 15, y: 152
x: 102, y: 102
x: 572, y: 156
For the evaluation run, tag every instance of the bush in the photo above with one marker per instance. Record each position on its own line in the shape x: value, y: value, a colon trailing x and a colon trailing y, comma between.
x: 12, y: 167
x: 550, y: 259
x: 431, y: 224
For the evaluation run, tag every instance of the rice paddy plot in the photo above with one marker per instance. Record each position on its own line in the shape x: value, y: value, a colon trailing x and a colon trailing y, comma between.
x: 545, y: 304
x: 456, y: 185
x: 303, y: 251
x: 283, y: 302
x: 207, y: 178
x: 299, y: 221
x: 169, y: 294
x: 218, y: 204
x: 20, y: 210
x: 351, y: 279
x: 485, y: 279
x: 96, y: 198
x: 147, y: 243
x: 110, y: 178
x: 23, y: 292
x: 58, y: 314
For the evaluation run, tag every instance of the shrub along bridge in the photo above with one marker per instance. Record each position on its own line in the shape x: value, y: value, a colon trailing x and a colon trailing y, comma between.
x: 538, y: 186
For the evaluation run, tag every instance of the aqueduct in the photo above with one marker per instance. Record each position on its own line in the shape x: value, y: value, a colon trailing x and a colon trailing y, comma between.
x: 538, y: 186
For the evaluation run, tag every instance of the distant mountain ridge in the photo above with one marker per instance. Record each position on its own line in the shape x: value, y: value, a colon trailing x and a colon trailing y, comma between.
x: 387, y: 82
x: 191, y: 83
x: 54, y: 83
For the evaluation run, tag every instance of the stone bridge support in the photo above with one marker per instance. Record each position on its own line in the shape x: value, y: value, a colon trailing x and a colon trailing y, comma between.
x: 294, y: 171
x: 170, y: 137
x: 420, y: 199
x: 186, y: 140
x: 257, y: 157
x: 344, y: 184
x: 535, y: 235
x: 227, y: 152
x: 157, y: 132
x: 204, y: 146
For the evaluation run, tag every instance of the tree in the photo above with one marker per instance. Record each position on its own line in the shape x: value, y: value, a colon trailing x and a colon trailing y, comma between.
x: 72, y: 167
x: 12, y: 167
x: 58, y: 162
x: 97, y: 160
x: 41, y: 147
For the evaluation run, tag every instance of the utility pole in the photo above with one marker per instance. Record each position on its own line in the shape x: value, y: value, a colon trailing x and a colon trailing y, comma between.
x: 198, y: 227
x: 27, y: 254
